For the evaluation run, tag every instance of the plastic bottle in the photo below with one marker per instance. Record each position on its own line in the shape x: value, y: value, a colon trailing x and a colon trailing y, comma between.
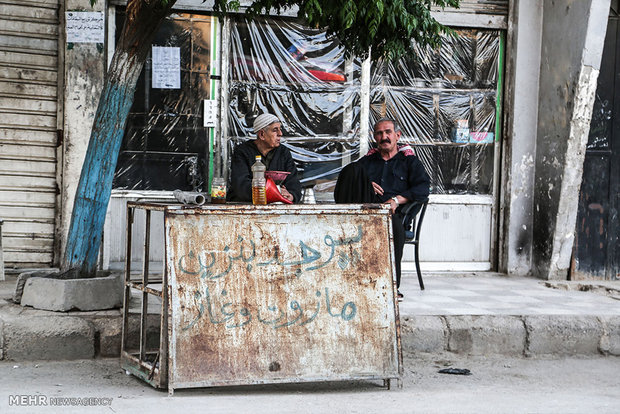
x: 258, y: 182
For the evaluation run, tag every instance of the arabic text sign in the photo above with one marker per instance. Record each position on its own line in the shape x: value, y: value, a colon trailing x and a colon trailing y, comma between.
x: 85, y: 27
x: 166, y: 67
x: 210, y: 107
x: 276, y: 297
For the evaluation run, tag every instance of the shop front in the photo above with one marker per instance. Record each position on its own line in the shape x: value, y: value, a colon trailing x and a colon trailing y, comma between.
x: 181, y: 132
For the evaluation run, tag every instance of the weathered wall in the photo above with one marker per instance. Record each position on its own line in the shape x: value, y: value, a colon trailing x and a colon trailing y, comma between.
x: 572, y: 43
x: 522, y: 73
x: 84, y: 65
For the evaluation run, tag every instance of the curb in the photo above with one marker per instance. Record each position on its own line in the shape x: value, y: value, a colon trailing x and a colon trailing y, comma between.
x: 48, y: 337
x: 526, y: 336
x: 29, y: 335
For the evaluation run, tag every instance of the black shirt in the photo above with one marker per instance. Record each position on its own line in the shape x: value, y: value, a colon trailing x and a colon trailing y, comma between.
x: 244, y: 156
x: 402, y: 175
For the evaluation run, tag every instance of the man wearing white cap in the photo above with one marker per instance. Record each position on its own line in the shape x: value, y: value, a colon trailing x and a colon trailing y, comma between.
x: 276, y: 157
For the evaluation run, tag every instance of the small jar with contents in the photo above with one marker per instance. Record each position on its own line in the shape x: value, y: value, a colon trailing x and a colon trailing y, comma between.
x: 218, y: 191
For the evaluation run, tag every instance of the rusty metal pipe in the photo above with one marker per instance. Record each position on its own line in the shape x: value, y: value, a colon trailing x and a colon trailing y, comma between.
x: 188, y: 197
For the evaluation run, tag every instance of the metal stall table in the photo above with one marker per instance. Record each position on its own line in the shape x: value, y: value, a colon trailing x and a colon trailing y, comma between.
x: 266, y: 294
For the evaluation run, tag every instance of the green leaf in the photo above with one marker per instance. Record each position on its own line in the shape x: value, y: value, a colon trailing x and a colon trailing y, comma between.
x: 386, y: 26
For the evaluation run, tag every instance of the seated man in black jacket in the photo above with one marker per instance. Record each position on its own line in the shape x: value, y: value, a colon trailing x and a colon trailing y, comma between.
x: 276, y: 157
x: 385, y: 175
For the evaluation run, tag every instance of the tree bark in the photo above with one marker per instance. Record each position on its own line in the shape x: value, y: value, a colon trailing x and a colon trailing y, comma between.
x: 95, y: 186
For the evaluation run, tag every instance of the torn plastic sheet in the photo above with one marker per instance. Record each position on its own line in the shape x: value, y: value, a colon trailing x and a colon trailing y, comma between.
x: 304, y: 112
x: 165, y: 146
x: 279, y: 51
x: 445, y: 102
x: 301, y: 76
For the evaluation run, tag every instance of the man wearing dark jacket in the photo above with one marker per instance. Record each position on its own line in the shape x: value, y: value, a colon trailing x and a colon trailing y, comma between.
x: 386, y: 175
x: 276, y: 157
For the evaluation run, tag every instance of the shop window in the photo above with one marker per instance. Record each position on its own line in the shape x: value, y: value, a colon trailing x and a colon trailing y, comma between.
x: 301, y: 76
x: 165, y: 146
x: 445, y: 101
x: 443, y: 98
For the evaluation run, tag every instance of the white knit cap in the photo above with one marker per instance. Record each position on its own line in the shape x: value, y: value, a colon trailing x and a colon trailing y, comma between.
x: 264, y: 120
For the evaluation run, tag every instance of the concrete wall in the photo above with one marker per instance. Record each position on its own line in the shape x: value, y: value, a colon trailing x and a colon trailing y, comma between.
x: 84, y: 65
x: 572, y: 42
x: 519, y: 146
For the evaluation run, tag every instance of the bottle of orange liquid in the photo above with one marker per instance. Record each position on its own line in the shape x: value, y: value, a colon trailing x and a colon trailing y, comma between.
x: 259, y: 196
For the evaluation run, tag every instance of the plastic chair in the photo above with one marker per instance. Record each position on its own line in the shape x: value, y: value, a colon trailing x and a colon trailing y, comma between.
x: 412, y: 222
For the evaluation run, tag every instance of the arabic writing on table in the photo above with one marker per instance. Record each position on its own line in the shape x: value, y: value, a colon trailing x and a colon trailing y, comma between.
x: 269, y: 315
x: 206, y: 263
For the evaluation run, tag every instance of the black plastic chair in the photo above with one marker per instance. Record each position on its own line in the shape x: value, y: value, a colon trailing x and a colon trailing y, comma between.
x: 412, y: 221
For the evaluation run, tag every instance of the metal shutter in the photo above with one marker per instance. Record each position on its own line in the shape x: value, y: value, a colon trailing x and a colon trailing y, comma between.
x: 495, y: 7
x: 489, y: 14
x: 28, y: 111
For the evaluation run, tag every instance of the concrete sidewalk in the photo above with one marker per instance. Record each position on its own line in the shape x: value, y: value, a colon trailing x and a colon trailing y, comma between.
x: 469, y: 314
x: 489, y: 313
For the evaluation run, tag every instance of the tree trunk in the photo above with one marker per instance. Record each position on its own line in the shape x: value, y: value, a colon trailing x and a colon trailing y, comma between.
x: 93, y: 193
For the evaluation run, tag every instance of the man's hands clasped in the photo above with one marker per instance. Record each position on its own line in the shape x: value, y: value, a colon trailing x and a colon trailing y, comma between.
x: 394, y: 202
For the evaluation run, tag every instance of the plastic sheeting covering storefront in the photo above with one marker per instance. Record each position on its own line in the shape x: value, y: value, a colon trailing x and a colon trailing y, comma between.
x: 165, y: 146
x: 444, y: 99
x: 299, y: 75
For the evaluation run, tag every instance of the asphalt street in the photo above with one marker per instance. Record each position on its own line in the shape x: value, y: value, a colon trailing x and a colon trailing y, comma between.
x: 496, y: 385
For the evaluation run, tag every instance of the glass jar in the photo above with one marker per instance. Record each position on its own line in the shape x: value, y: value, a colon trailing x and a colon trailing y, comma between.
x: 218, y: 190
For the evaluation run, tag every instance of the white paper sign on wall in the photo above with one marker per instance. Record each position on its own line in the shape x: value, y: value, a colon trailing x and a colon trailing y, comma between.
x: 166, y: 65
x: 85, y: 27
x: 209, y: 117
